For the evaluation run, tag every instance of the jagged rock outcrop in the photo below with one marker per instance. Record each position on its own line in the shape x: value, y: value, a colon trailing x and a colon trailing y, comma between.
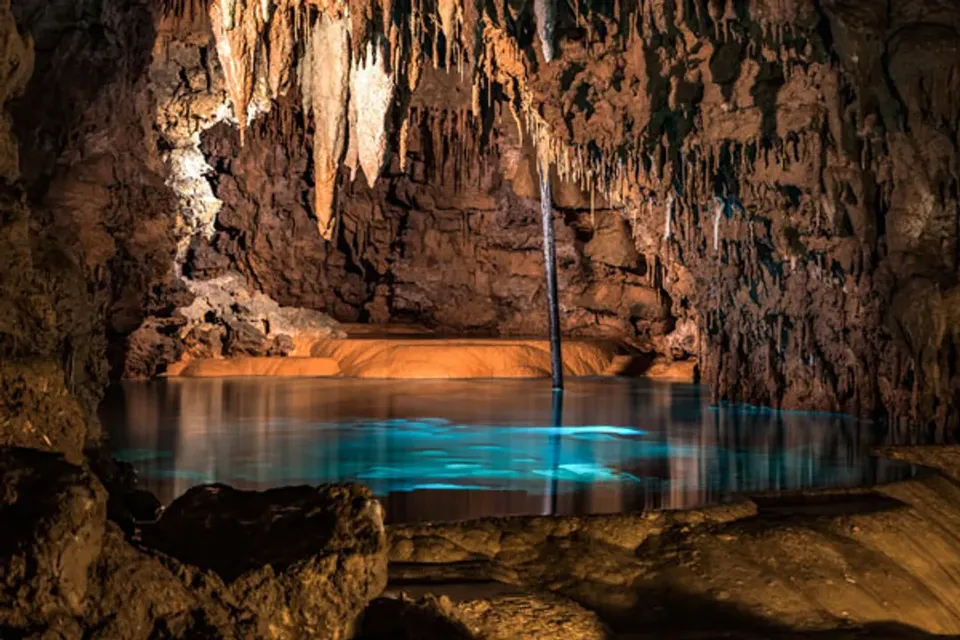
x: 225, y: 320
x: 300, y: 561
x: 283, y: 564
x: 55, y: 520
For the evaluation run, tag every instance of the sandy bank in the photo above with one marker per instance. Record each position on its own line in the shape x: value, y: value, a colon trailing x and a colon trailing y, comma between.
x: 402, y: 354
x: 399, y: 358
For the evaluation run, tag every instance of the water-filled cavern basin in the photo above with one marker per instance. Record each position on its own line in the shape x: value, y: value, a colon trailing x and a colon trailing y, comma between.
x: 448, y: 450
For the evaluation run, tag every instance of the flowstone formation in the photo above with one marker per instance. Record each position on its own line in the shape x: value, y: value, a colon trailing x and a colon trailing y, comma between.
x: 787, y: 171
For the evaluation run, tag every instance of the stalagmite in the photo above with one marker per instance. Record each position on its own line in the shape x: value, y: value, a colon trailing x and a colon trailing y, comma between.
x: 371, y: 89
x: 324, y: 82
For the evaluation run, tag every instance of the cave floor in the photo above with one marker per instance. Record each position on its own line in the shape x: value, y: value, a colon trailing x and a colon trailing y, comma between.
x: 880, y: 562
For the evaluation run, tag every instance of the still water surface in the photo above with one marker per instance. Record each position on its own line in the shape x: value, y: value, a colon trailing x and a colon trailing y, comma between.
x: 446, y: 450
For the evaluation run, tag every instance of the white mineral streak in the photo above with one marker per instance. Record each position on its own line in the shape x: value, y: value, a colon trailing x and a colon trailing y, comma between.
x: 228, y: 9
x: 668, y: 233
x: 324, y: 82
x: 546, y: 14
x: 371, y: 89
x: 718, y: 206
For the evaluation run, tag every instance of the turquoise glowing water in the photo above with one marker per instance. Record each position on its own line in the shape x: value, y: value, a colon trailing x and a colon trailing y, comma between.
x: 449, y: 450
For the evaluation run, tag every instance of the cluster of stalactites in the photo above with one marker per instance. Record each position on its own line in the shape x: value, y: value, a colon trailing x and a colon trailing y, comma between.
x: 351, y: 58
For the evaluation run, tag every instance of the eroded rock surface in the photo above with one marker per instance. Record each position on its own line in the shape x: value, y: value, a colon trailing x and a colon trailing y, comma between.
x: 873, y: 561
x: 225, y: 320
x: 291, y: 563
x: 533, y: 616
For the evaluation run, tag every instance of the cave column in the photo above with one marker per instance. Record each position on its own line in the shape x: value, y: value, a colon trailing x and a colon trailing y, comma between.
x: 550, y: 271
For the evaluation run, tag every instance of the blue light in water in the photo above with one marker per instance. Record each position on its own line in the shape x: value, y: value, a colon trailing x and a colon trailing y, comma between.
x: 141, y: 455
x: 582, y: 430
x: 435, y: 486
x: 430, y: 453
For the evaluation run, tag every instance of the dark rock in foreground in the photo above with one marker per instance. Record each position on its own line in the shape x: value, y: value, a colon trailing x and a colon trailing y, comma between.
x: 290, y: 563
x: 297, y: 559
x: 52, y: 522
x: 531, y: 615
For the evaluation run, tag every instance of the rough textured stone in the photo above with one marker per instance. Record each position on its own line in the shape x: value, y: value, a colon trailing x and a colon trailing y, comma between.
x: 802, y: 563
x: 298, y: 560
x: 54, y: 516
x: 290, y: 563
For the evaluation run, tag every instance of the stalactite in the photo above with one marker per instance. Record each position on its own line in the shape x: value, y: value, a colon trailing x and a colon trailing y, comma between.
x: 668, y: 233
x: 371, y: 89
x: 237, y: 48
x: 282, y: 48
x: 718, y: 207
x: 450, y: 20
x: 228, y: 10
x: 324, y: 82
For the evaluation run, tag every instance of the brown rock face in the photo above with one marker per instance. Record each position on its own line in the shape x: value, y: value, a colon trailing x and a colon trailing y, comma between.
x: 459, y: 257
x: 300, y: 560
x: 291, y: 563
x: 770, y: 187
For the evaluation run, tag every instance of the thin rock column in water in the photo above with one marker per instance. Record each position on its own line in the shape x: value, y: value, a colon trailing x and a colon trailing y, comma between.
x: 550, y: 271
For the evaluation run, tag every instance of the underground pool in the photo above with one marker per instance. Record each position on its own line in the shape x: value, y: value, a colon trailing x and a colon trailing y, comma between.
x: 449, y: 450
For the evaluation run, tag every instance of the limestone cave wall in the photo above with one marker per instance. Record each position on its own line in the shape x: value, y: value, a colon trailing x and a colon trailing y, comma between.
x: 771, y: 187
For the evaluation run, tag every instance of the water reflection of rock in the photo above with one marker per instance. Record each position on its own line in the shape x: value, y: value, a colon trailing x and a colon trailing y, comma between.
x: 260, y: 433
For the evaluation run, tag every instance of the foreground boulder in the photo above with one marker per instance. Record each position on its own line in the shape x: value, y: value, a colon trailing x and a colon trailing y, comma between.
x: 300, y: 561
x: 220, y: 563
x: 52, y: 521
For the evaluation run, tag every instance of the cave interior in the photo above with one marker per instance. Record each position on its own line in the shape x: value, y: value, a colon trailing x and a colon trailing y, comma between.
x: 211, y: 202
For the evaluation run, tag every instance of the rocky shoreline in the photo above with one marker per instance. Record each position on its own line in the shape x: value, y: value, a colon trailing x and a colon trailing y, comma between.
x: 87, y: 554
